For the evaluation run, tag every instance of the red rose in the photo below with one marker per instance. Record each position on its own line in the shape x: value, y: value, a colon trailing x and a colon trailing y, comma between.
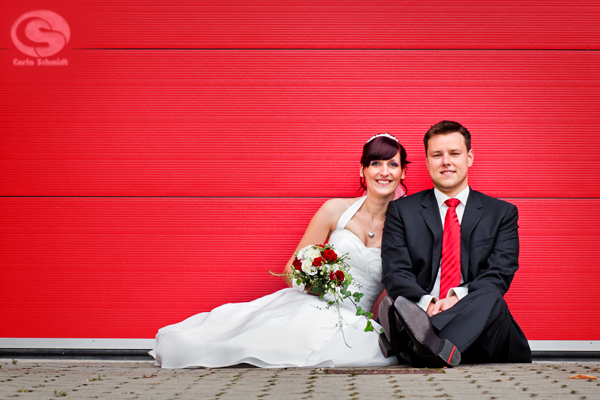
x: 330, y: 255
x: 317, y: 262
x: 337, y: 276
x: 297, y: 264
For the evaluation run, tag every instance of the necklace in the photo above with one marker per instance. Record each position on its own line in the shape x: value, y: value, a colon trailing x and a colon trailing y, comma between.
x: 372, y: 231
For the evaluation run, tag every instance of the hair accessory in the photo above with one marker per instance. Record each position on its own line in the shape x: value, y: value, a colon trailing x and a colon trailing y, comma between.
x: 387, y: 135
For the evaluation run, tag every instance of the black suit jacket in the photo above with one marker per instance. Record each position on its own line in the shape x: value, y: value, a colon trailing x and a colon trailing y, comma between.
x: 412, y: 244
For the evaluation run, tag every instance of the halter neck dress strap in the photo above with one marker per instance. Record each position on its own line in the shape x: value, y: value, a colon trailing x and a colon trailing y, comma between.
x: 349, y: 213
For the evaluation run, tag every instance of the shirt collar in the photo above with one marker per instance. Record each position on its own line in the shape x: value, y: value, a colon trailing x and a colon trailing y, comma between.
x: 441, y: 197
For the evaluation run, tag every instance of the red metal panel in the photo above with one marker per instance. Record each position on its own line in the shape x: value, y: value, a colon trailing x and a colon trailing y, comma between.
x: 123, y: 267
x: 467, y: 24
x: 264, y: 123
x: 553, y: 292
x: 279, y: 123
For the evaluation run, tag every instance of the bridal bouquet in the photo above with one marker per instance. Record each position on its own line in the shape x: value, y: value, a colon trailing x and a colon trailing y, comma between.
x: 324, y: 272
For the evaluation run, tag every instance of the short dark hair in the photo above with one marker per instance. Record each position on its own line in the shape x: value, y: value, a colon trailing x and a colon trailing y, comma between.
x: 445, y: 127
x: 382, y: 148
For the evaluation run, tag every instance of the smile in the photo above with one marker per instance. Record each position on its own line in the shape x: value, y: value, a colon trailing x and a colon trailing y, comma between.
x: 383, y: 182
x: 448, y: 172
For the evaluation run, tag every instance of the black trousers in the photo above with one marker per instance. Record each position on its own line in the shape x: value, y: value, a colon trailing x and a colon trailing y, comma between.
x: 483, y: 330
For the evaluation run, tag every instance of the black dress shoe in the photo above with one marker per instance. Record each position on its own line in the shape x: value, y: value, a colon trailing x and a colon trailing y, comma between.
x: 427, y: 345
x: 393, y: 340
x: 386, y: 347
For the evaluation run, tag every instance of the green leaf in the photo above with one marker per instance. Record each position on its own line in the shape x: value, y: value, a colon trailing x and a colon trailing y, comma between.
x: 360, y: 311
x: 357, y: 296
x: 369, y: 327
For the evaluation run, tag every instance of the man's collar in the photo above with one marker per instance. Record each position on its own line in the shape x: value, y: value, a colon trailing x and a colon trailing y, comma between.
x: 441, y: 197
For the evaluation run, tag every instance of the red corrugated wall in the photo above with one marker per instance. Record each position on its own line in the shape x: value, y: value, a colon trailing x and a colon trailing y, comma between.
x: 180, y: 154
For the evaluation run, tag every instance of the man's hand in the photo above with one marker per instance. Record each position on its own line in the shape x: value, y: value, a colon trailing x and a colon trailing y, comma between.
x: 441, y: 305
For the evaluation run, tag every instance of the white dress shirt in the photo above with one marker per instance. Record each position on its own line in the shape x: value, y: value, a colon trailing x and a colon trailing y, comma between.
x: 460, y: 292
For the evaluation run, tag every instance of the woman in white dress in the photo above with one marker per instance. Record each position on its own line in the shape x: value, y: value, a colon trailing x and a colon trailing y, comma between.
x: 290, y: 328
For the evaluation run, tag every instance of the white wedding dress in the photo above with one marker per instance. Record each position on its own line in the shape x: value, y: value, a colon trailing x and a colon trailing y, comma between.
x: 288, y: 328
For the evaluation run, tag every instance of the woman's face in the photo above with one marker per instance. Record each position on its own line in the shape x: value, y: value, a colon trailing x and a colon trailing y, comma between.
x: 382, y: 177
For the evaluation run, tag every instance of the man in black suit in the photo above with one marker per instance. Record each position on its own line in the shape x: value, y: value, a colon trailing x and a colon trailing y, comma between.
x: 436, y: 317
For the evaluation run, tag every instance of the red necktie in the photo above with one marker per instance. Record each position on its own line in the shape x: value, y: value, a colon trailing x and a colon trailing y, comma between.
x: 450, y: 249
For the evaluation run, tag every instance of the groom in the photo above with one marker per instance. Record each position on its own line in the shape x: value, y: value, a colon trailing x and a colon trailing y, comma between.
x: 449, y: 256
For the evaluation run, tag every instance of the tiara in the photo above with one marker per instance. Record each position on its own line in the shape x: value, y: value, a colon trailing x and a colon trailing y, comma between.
x: 387, y: 135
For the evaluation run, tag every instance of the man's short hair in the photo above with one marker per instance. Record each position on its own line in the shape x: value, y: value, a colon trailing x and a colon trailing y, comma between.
x: 444, y: 128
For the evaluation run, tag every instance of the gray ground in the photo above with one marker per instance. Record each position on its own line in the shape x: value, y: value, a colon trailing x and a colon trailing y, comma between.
x: 89, y: 379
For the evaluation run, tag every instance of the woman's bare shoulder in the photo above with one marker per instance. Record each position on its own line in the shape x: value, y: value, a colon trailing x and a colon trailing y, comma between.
x: 334, y: 208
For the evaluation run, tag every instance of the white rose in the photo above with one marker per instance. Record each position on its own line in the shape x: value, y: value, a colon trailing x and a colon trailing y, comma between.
x: 306, y: 264
x: 302, y: 251
x: 308, y: 267
x: 310, y: 270
x: 329, y: 267
x: 312, y: 253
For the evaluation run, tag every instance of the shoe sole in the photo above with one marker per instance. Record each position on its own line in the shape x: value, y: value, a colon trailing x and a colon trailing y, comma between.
x: 386, y: 348
x: 385, y: 307
x: 385, y: 340
x: 393, y: 339
x: 449, y: 354
x: 420, y: 330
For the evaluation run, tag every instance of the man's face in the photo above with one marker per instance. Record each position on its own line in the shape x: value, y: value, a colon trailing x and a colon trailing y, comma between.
x: 448, y: 162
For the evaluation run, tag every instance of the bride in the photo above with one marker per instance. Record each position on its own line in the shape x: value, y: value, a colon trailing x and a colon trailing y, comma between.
x: 290, y: 328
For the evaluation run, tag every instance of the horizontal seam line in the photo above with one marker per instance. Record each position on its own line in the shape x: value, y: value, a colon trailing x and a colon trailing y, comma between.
x: 269, y: 197
x: 318, y: 49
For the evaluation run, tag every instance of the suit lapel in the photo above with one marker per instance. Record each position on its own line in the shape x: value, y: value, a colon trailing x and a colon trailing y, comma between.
x: 431, y: 214
x: 471, y: 217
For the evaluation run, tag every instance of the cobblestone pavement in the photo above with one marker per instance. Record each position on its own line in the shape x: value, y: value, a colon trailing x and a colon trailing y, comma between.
x: 89, y: 379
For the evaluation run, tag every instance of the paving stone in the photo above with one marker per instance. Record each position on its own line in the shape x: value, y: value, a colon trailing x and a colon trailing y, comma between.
x: 90, y: 379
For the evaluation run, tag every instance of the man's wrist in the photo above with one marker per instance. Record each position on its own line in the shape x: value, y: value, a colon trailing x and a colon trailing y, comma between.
x: 425, y: 300
x: 459, y: 292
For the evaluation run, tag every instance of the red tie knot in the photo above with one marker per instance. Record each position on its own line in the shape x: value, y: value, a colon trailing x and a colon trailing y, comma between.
x: 452, y: 203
